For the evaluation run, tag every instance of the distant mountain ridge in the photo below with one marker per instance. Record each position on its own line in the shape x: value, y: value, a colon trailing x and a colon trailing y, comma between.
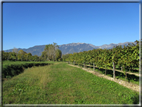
x: 69, y: 48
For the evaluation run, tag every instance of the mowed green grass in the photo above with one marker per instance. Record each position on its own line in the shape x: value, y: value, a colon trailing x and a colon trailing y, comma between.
x: 63, y: 84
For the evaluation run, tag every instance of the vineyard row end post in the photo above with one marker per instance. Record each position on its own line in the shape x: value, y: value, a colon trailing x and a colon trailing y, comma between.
x: 113, y: 70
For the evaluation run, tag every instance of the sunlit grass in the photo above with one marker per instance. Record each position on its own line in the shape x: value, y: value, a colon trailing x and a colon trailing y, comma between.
x: 63, y: 84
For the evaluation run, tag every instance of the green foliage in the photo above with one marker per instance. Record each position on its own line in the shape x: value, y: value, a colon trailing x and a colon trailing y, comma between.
x: 14, y: 68
x: 20, y: 56
x: 51, y: 52
x: 122, y: 57
x: 58, y: 54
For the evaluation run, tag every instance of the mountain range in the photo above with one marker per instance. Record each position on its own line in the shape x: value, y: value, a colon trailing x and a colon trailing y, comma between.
x: 69, y: 48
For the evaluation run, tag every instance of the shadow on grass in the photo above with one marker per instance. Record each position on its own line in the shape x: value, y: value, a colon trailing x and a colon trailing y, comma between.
x: 12, y: 71
x: 135, y: 99
x: 130, y: 77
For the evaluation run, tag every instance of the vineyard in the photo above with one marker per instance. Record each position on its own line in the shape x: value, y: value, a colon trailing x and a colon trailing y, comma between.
x: 123, y: 61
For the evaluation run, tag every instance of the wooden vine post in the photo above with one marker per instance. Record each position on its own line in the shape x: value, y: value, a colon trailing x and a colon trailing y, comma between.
x: 105, y: 70
x: 93, y: 67
x: 125, y: 74
x: 113, y: 70
x: 84, y: 64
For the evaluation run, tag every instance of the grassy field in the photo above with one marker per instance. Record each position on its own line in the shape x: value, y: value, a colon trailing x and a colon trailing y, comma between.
x: 63, y: 84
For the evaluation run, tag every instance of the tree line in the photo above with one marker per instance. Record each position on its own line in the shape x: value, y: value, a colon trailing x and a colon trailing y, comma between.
x: 51, y: 52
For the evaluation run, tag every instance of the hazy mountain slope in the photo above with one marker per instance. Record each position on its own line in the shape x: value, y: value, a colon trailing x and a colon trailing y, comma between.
x: 75, y: 47
x: 69, y: 48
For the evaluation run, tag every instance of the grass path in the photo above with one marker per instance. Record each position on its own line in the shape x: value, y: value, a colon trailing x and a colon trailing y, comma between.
x: 63, y: 84
x: 132, y: 86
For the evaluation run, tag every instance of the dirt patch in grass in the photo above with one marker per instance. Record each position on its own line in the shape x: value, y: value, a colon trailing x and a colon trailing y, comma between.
x: 132, y: 86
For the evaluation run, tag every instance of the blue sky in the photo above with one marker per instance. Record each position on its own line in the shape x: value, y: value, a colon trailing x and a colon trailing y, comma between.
x: 28, y: 24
